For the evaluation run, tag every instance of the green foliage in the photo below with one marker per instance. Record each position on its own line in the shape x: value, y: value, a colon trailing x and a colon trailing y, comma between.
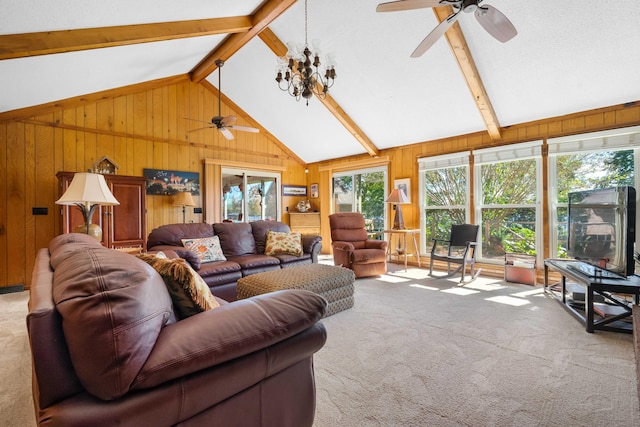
x: 587, y: 171
x: 366, y: 192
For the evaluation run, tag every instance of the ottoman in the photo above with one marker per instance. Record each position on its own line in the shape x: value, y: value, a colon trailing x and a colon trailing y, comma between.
x: 333, y: 283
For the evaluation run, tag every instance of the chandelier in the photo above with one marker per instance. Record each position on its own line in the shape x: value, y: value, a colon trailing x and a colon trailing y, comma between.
x: 298, y: 72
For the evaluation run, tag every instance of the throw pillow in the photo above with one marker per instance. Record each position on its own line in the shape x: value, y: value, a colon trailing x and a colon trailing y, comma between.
x: 283, y: 243
x: 189, y: 292
x: 208, y: 249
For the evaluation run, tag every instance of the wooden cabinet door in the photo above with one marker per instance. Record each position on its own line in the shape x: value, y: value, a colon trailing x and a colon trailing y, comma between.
x: 123, y: 225
x: 126, y: 222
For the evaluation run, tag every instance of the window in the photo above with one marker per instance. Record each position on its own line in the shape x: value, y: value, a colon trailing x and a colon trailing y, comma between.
x: 584, y: 162
x: 250, y: 195
x: 444, y: 183
x: 362, y: 191
x: 507, y: 192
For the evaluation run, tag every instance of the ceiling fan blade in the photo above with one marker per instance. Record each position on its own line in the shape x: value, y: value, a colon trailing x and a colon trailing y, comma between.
x: 205, y: 127
x: 227, y: 134
x: 495, y: 23
x: 244, y: 128
x: 227, y: 120
x: 394, y: 6
x: 435, y: 34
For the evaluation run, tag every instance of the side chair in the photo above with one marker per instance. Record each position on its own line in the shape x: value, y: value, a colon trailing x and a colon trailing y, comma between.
x: 459, y: 249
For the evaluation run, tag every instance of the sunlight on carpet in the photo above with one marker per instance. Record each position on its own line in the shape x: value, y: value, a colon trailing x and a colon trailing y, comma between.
x: 421, y: 351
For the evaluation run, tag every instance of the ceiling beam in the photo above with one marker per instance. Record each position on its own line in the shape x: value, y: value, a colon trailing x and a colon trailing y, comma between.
x: 260, y: 20
x: 275, y: 44
x: 468, y: 67
x: 48, y: 42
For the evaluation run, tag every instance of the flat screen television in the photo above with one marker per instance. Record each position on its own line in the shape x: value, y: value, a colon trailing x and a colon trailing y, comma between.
x: 602, y: 229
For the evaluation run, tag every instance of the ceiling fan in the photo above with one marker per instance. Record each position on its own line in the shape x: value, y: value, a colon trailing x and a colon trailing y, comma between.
x: 223, y: 123
x: 490, y: 18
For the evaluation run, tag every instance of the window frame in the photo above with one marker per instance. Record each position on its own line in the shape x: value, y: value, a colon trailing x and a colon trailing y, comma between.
x: 503, y: 154
x: 277, y: 176
x: 352, y: 172
x: 447, y: 161
x: 620, y: 139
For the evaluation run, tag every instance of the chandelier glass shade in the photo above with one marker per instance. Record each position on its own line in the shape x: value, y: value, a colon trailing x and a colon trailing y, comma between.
x: 299, y: 72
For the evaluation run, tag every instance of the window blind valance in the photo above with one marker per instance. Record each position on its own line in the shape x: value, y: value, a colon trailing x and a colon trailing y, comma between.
x: 444, y: 161
x: 609, y: 140
x: 506, y: 153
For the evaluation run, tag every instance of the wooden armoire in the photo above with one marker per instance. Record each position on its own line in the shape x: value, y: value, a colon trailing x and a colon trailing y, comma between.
x: 124, y: 225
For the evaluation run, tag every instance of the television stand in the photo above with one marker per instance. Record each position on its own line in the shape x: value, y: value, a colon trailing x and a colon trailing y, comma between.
x: 607, y: 288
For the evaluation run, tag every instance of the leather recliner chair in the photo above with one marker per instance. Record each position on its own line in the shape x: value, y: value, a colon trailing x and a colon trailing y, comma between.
x: 352, y: 247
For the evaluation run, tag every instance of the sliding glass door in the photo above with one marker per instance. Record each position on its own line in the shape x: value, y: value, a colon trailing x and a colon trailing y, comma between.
x: 362, y: 191
x: 250, y: 195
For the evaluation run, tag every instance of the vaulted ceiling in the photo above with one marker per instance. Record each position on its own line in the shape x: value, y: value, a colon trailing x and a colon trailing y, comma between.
x: 568, y: 56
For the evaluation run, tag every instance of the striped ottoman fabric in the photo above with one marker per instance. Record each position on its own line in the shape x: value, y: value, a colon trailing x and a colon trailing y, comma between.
x: 333, y: 283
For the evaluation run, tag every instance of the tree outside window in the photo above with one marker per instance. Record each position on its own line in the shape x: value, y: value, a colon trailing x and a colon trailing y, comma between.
x: 588, y: 171
x: 445, y: 196
x: 508, y: 208
x: 362, y: 192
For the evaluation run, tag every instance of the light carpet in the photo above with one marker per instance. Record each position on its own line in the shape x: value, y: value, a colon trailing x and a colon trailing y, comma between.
x: 417, y: 351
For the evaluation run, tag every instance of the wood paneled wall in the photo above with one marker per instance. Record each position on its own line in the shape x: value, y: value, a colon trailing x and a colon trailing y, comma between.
x: 137, y: 127
x: 403, y: 160
x: 145, y: 126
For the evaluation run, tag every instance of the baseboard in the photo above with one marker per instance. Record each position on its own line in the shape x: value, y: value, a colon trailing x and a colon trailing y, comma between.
x: 11, y: 289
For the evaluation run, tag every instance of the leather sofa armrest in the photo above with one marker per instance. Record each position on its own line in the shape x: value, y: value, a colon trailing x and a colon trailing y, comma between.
x: 178, y: 252
x: 312, y: 244
x: 376, y: 244
x: 164, y: 248
x: 213, y: 337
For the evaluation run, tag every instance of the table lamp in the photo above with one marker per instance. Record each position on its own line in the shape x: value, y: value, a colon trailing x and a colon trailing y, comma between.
x: 87, y: 191
x: 184, y: 199
x: 397, y: 197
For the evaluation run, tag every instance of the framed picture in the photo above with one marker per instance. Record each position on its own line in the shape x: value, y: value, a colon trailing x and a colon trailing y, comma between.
x: 404, y: 185
x: 314, y: 191
x: 294, y: 190
x: 170, y: 182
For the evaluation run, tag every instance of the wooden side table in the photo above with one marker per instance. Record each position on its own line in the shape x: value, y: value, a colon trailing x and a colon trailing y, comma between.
x: 403, y: 235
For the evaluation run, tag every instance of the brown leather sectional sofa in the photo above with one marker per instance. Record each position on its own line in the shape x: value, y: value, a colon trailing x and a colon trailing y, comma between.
x: 243, y: 245
x: 107, y: 349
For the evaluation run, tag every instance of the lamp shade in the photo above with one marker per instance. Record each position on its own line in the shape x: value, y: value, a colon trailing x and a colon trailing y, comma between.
x: 183, y: 198
x: 397, y: 196
x: 88, y: 188
x: 88, y: 191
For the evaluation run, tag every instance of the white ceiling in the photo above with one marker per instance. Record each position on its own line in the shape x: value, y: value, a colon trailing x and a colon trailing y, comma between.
x: 568, y: 56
